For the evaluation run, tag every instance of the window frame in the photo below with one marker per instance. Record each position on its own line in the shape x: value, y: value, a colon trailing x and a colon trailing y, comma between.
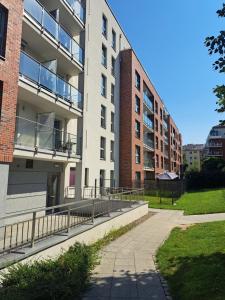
x: 139, y: 105
x: 112, y: 151
x: 112, y: 122
x: 103, y: 117
x: 137, y: 154
x: 104, y: 28
x: 102, y: 148
x: 3, y: 25
x: 114, y: 36
x: 104, y: 58
x: 137, y: 80
x: 103, y: 88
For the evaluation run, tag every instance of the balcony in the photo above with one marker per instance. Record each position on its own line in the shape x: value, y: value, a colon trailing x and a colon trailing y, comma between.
x: 215, y: 145
x: 47, y: 23
x: 77, y: 9
x: 148, y: 143
x: 215, y: 153
x: 166, y: 140
x: 147, y: 122
x: 44, y: 139
x: 148, y: 164
x: 165, y: 125
x: 166, y: 154
x: 148, y: 102
x: 46, y: 79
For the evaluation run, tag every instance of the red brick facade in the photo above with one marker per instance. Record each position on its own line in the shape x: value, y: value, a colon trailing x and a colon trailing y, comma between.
x: 128, y: 117
x: 9, y: 70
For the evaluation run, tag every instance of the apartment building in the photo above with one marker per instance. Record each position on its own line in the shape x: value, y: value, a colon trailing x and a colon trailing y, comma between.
x: 150, y: 142
x: 73, y: 94
x: 192, y: 156
x: 215, y: 143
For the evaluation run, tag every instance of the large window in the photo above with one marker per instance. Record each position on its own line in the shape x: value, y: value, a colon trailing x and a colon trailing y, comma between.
x: 137, y: 154
x: 103, y: 116
x: 114, y: 40
x: 103, y: 85
x: 104, y: 26
x: 112, y: 122
x: 104, y: 56
x: 102, y: 148
x: 137, y: 129
x: 112, y: 93
x: 112, y: 151
x: 137, y: 80
x: 137, y: 105
x: 3, y: 29
x: 113, y: 66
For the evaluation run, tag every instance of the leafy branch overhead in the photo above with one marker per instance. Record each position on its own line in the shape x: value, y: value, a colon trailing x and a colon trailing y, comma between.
x: 216, y: 46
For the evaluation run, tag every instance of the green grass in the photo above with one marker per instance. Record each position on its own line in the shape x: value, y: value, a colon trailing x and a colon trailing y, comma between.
x: 193, y: 262
x: 201, y: 202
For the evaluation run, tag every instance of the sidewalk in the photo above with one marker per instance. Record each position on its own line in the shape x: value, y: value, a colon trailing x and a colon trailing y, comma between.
x: 127, y: 269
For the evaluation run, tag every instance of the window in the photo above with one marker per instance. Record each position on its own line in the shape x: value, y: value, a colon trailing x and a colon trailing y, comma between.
x: 29, y: 163
x: 137, y: 105
x: 3, y: 29
x: 162, y: 163
x: 113, y: 66
x: 112, y: 151
x: 157, y: 161
x: 156, y: 125
x: 137, y: 129
x: 156, y: 108
x: 137, y: 154
x: 112, y: 122
x: 157, y: 142
x: 102, y: 148
x: 161, y: 146
x: 104, y: 56
x: 114, y: 40
x: 161, y: 129
x: 161, y: 114
x: 72, y: 177
x: 103, y: 116
x: 102, y: 178
x: 1, y: 95
x: 138, y: 176
x: 112, y: 93
x: 103, y: 86
x: 112, y: 180
x: 137, y: 80
x: 86, y: 177
x: 104, y: 26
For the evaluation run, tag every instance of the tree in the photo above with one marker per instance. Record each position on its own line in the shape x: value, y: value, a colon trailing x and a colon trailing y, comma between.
x: 216, y: 46
x: 213, y: 164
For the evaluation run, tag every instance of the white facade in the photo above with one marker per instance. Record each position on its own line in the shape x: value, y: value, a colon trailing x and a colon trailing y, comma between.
x: 94, y: 69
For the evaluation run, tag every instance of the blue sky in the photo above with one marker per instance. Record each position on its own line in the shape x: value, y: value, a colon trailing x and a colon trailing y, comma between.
x: 168, y: 37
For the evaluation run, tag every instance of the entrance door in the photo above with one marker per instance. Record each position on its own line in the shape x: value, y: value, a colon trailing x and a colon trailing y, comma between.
x: 53, y: 189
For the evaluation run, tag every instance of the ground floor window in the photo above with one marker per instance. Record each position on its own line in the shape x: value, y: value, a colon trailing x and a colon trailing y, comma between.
x: 72, y: 176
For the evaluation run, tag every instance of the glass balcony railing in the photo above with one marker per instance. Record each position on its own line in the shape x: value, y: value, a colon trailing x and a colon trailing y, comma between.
x: 148, y: 163
x: 77, y: 9
x: 32, y: 134
x: 43, y: 18
x: 148, y: 142
x: 147, y: 122
x: 148, y: 101
x: 36, y: 72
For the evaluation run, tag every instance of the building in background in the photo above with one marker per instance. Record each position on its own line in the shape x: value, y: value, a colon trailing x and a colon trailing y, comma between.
x: 150, y: 142
x: 215, y: 143
x: 192, y: 156
x: 78, y: 108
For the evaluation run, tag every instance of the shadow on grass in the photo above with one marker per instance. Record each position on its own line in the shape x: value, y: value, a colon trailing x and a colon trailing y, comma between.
x: 197, y: 278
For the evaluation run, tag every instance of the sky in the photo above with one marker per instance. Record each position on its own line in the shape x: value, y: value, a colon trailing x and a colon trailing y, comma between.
x: 168, y: 37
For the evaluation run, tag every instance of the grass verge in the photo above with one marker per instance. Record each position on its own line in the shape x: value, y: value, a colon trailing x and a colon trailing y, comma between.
x: 193, y: 203
x: 63, y: 278
x: 193, y: 262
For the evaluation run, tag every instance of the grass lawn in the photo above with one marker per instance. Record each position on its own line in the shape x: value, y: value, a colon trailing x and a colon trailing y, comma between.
x: 201, y: 202
x: 193, y: 262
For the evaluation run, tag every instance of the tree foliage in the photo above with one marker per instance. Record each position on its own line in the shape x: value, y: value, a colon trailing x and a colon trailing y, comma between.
x: 216, y: 46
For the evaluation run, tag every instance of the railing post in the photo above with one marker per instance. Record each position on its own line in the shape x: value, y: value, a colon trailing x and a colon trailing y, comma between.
x: 68, y: 220
x: 33, y: 229
x: 93, y: 211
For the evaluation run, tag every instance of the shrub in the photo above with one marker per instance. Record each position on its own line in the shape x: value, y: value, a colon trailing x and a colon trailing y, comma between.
x: 205, y: 180
x: 63, y: 278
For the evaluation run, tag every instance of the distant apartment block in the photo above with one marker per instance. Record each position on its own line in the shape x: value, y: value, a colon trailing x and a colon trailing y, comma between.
x: 78, y: 110
x: 215, y: 143
x: 192, y: 156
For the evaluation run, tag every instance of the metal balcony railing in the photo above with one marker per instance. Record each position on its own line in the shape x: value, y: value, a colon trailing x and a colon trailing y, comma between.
x: 45, y: 78
x: 48, y: 23
x: 44, y: 137
x: 148, y: 102
x: 147, y: 122
x: 76, y: 8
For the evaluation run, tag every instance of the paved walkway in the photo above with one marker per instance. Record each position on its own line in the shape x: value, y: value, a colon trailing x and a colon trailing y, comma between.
x: 127, y: 269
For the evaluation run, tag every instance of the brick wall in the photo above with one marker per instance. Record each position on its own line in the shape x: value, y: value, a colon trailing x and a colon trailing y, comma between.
x: 9, y: 68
